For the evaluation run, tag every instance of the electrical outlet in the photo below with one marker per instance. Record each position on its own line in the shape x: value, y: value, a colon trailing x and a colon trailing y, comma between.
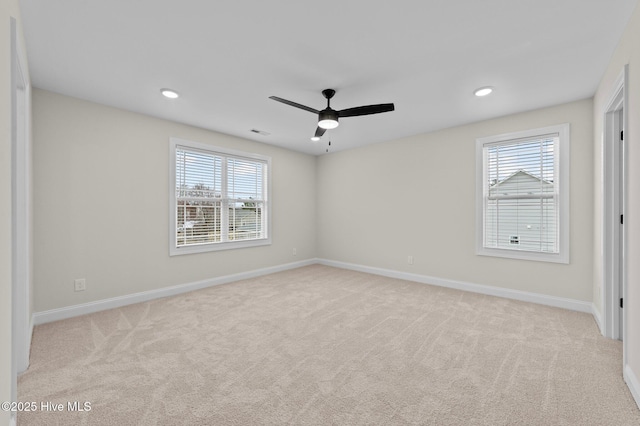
x: 80, y: 284
x: 410, y: 260
x: 295, y: 251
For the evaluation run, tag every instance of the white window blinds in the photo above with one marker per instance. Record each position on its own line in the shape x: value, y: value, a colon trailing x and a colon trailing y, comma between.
x: 219, y: 198
x: 521, y: 195
x: 245, y: 194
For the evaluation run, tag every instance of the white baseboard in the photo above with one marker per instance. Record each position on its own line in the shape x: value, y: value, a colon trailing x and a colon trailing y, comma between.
x: 116, y: 302
x: 632, y: 383
x: 598, y: 318
x: 542, y: 299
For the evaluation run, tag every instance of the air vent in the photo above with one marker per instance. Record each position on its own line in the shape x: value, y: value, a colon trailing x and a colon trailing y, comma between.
x: 260, y: 132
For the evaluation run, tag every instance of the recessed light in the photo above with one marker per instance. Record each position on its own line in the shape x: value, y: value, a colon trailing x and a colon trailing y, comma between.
x: 483, y: 91
x: 168, y: 93
x: 315, y: 138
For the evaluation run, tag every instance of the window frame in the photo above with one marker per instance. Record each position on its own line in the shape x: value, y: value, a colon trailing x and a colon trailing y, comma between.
x: 174, y: 250
x: 561, y: 174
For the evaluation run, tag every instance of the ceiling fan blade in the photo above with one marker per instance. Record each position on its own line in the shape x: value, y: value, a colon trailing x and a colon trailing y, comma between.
x: 294, y: 104
x: 365, y: 110
x: 319, y: 132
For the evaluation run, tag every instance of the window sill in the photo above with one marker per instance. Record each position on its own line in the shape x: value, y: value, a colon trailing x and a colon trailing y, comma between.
x: 524, y: 255
x: 231, y: 245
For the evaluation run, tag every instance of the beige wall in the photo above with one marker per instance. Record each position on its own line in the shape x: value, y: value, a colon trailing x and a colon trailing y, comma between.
x: 101, y: 208
x: 627, y: 52
x: 101, y: 188
x: 416, y: 196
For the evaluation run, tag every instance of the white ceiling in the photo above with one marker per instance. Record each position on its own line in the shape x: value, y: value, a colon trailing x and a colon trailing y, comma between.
x: 226, y: 58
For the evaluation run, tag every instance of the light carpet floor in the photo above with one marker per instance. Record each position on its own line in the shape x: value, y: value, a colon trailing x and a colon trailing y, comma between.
x: 325, y: 346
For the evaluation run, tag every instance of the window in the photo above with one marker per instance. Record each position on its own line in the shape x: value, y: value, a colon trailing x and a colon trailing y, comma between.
x: 218, y: 198
x: 522, y: 206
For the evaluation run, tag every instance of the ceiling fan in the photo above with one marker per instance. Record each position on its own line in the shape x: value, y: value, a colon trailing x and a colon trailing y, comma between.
x: 328, y: 117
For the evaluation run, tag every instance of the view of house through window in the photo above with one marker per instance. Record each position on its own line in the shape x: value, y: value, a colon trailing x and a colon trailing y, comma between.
x: 521, y: 191
x: 219, y: 198
x: 520, y: 206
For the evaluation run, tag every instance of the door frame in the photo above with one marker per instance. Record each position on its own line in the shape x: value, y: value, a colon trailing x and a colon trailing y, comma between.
x: 21, y: 217
x: 614, y: 189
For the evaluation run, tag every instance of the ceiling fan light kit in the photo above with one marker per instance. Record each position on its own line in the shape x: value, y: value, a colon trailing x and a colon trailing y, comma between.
x: 328, y: 117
